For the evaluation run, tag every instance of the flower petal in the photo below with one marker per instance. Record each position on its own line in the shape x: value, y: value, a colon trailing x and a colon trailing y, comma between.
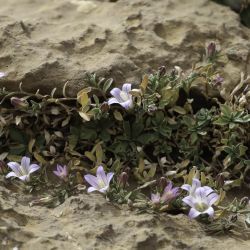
x: 113, y: 100
x: 91, y: 189
x: 57, y: 173
x: 33, y: 168
x: 189, y: 200
x: 11, y: 174
x: 103, y: 190
x: 65, y: 170
x: 208, y: 190
x: 200, y: 193
x: 128, y: 104
x: 168, y: 187
x: 155, y: 198
x: 193, y: 213
x: 209, y: 211
x: 109, y: 177
x: 116, y: 93
x: 186, y: 187
x: 24, y: 178
x: 175, y: 191
x: 126, y: 87
x: 15, y: 167
x: 212, y: 198
x: 25, y: 163
x: 59, y: 167
x: 100, y: 174
x: 196, y: 183
x: 92, y: 180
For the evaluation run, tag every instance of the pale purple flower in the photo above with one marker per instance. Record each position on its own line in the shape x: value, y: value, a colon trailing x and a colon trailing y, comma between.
x: 155, y: 198
x: 195, y: 184
x: 122, y: 96
x: 100, y: 182
x: 22, y: 171
x: 2, y: 74
x: 218, y: 80
x: 169, y: 193
x: 61, y: 172
x: 201, y: 202
x: 19, y: 102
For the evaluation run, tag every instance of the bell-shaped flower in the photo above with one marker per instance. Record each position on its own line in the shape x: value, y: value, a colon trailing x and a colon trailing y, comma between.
x: 100, y: 182
x: 155, y: 198
x: 195, y: 184
x: 61, y: 172
x: 201, y: 202
x: 169, y: 193
x: 23, y: 170
x: 122, y: 96
x: 2, y: 74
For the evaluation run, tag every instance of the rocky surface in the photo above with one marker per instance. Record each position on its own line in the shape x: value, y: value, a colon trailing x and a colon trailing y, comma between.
x: 88, y: 222
x: 44, y: 44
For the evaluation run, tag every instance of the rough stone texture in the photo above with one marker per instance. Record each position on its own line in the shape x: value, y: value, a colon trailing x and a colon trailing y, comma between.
x: 46, y: 43
x: 88, y: 222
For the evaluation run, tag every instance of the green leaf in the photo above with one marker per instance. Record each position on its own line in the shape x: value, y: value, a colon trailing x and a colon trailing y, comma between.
x: 107, y: 85
x: 19, y: 136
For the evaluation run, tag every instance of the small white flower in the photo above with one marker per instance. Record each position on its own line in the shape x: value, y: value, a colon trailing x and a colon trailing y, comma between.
x: 201, y: 202
x: 122, y: 96
x: 100, y: 182
x: 22, y: 171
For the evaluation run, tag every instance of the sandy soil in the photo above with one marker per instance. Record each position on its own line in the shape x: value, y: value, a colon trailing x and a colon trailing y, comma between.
x: 87, y: 222
x: 46, y: 43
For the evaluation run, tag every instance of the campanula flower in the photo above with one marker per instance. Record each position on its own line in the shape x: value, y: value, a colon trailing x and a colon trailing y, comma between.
x: 155, y: 198
x: 169, y: 193
x: 23, y: 170
x: 2, y: 74
x: 201, y: 202
x: 100, y: 182
x: 61, y: 172
x: 122, y: 96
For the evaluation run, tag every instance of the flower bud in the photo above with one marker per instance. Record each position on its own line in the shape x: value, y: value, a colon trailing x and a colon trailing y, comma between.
x: 219, y: 181
x: 19, y: 103
x: 105, y: 107
x: 162, y: 183
x: 162, y: 71
x: 123, y: 179
x: 211, y: 50
x: 244, y: 202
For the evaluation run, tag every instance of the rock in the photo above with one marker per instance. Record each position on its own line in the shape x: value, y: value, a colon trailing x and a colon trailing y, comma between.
x: 88, y: 221
x: 46, y: 44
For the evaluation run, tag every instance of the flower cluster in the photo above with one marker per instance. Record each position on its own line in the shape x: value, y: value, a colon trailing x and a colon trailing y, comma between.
x: 23, y: 170
x: 200, y: 199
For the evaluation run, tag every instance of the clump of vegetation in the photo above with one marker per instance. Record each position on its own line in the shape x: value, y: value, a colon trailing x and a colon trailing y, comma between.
x: 168, y: 135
